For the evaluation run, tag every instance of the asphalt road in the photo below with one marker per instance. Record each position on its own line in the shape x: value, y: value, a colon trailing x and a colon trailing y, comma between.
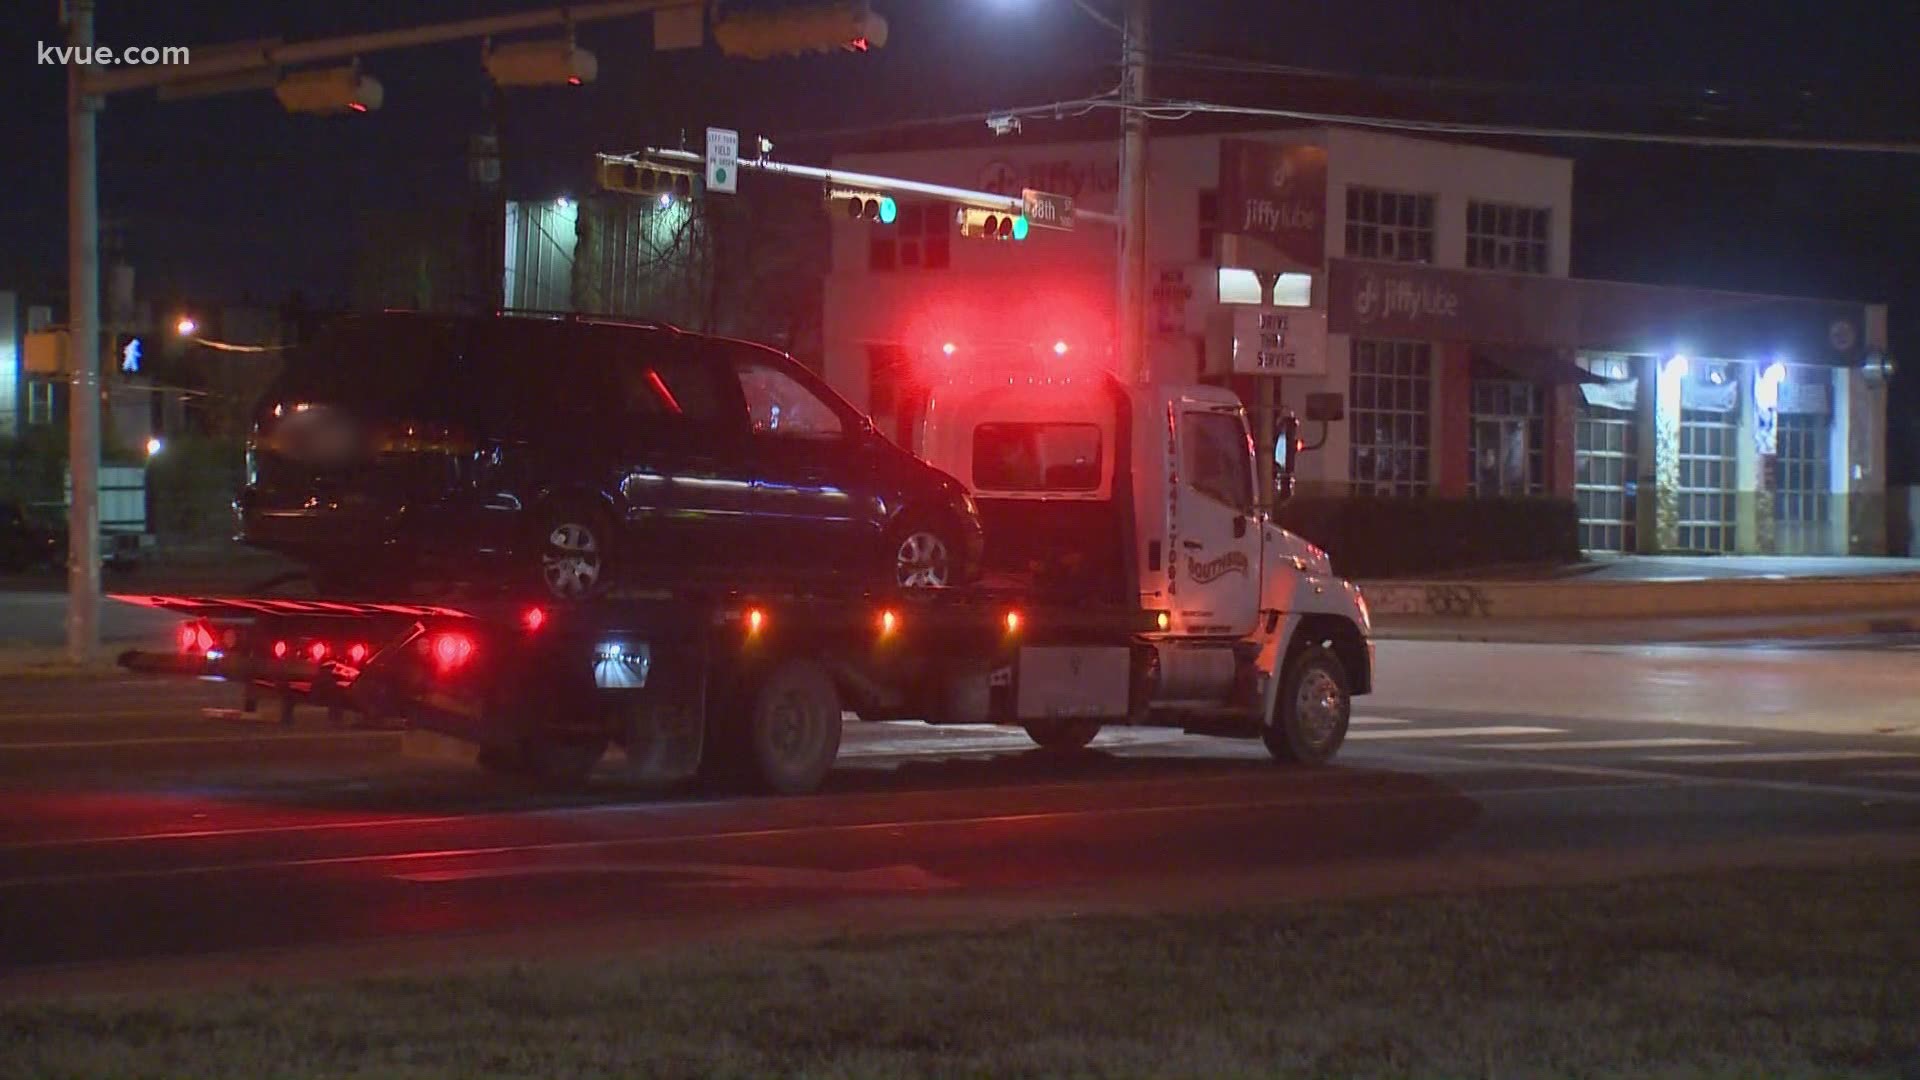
x: 1474, y: 765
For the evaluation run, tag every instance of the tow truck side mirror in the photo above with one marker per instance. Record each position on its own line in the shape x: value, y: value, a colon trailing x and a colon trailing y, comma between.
x: 1286, y: 457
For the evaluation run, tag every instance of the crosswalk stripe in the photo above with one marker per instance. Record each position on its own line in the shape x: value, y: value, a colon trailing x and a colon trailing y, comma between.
x: 1767, y: 756
x: 1610, y: 744
x: 1452, y: 733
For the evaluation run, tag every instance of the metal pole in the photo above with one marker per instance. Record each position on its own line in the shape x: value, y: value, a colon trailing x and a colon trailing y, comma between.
x: 83, y: 349
x: 985, y: 200
x: 1130, y: 315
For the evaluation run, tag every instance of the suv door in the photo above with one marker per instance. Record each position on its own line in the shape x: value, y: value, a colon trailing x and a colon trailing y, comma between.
x: 685, y: 489
x: 1216, y: 525
x: 812, y: 483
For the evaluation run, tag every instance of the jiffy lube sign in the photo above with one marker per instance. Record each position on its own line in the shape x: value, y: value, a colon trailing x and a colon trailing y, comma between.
x: 1276, y: 192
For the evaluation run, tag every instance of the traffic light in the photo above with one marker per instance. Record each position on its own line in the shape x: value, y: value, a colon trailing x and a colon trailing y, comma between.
x: 992, y: 224
x: 645, y: 176
x: 758, y: 35
x: 867, y: 205
x: 327, y: 91
x: 541, y: 63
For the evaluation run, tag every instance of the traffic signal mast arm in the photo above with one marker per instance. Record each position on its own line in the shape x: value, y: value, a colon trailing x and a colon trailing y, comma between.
x: 891, y: 185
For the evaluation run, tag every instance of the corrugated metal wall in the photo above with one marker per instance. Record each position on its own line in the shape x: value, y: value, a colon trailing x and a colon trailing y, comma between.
x: 541, y: 240
x: 641, y: 259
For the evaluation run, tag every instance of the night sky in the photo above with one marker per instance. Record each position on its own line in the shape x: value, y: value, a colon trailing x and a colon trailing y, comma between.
x: 229, y: 197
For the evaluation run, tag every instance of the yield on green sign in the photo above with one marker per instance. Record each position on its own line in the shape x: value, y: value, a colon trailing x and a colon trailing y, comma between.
x: 1047, y: 210
x: 723, y: 160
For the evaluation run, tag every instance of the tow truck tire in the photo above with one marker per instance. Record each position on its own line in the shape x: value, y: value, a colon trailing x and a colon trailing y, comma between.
x: 793, y: 728
x: 1063, y: 735
x: 1310, y: 712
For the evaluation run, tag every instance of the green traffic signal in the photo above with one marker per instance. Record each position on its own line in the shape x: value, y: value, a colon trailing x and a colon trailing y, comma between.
x: 888, y: 211
x: 1020, y: 227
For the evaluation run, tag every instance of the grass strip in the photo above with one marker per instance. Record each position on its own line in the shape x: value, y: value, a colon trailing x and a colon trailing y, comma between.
x: 1747, y: 974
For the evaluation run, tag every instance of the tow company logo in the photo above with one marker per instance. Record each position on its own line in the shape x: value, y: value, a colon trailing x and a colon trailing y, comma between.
x: 1233, y: 562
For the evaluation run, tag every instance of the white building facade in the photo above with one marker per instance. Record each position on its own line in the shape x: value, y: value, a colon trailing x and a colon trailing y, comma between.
x: 1426, y: 285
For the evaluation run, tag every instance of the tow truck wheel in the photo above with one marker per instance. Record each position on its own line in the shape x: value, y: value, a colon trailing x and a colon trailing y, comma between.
x: 793, y: 728
x: 1071, y: 733
x: 1309, y: 720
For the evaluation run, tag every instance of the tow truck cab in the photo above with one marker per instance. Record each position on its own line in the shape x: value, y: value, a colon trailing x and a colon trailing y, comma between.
x: 1112, y: 491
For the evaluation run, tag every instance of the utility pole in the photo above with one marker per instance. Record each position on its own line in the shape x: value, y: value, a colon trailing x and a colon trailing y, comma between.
x: 83, y: 346
x: 1131, y: 315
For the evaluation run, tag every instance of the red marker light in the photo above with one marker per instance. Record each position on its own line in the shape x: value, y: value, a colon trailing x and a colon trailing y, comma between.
x: 195, y: 637
x: 573, y: 80
x: 888, y: 622
x: 755, y: 620
x: 317, y: 651
x: 1013, y: 622
x: 450, y: 650
x: 357, y: 106
x: 1059, y: 348
x: 356, y: 652
x: 279, y: 650
x: 534, y: 618
x: 949, y: 348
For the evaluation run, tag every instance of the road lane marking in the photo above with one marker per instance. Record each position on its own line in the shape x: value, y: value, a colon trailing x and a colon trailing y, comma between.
x: 263, y: 737
x: 1452, y: 733
x: 1610, y: 744
x: 778, y: 832
x: 1654, y: 777
x: 1893, y: 774
x: 1372, y: 721
x: 899, y: 877
x: 1766, y: 757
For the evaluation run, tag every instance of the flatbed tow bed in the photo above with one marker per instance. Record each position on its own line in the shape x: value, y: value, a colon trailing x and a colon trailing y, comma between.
x: 690, y: 683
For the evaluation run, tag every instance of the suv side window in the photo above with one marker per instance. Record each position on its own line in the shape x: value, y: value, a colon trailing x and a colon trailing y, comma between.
x: 779, y: 404
x: 676, y: 384
x: 647, y: 380
x: 1219, y: 464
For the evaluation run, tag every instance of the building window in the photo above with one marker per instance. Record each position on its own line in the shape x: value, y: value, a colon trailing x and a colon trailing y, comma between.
x: 1603, y: 479
x: 1506, y: 444
x: 39, y: 401
x: 1502, y: 237
x: 921, y: 240
x: 1209, y: 235
x: 1800, y: 498
x: 1706, y: 518
x: 1389, y: 225
x: 1390, y: 422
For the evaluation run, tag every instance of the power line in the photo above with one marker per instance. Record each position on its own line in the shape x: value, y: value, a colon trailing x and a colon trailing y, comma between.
x: 1450, y: 127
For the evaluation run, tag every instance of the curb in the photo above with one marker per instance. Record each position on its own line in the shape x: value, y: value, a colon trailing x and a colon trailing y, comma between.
x: 1641, y: 599
x: 290, y: 748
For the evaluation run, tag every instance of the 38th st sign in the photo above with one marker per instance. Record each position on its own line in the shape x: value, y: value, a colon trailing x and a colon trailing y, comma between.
x: 1047, y: 210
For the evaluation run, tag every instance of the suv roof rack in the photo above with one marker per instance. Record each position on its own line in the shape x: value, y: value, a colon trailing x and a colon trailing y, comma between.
x: 589, y: 317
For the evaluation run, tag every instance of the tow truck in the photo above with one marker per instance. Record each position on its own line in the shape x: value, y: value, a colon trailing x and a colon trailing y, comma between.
x: 1136, y: 580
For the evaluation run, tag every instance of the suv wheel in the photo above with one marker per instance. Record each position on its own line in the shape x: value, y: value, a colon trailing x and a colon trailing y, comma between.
x: 576, y: 548
x: 924, y: 556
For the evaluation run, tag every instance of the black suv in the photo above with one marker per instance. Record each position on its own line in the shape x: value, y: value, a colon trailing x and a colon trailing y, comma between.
x: 571, y: 453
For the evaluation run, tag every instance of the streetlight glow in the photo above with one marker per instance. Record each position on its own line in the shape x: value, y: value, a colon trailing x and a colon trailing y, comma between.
x: 186, y: 327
